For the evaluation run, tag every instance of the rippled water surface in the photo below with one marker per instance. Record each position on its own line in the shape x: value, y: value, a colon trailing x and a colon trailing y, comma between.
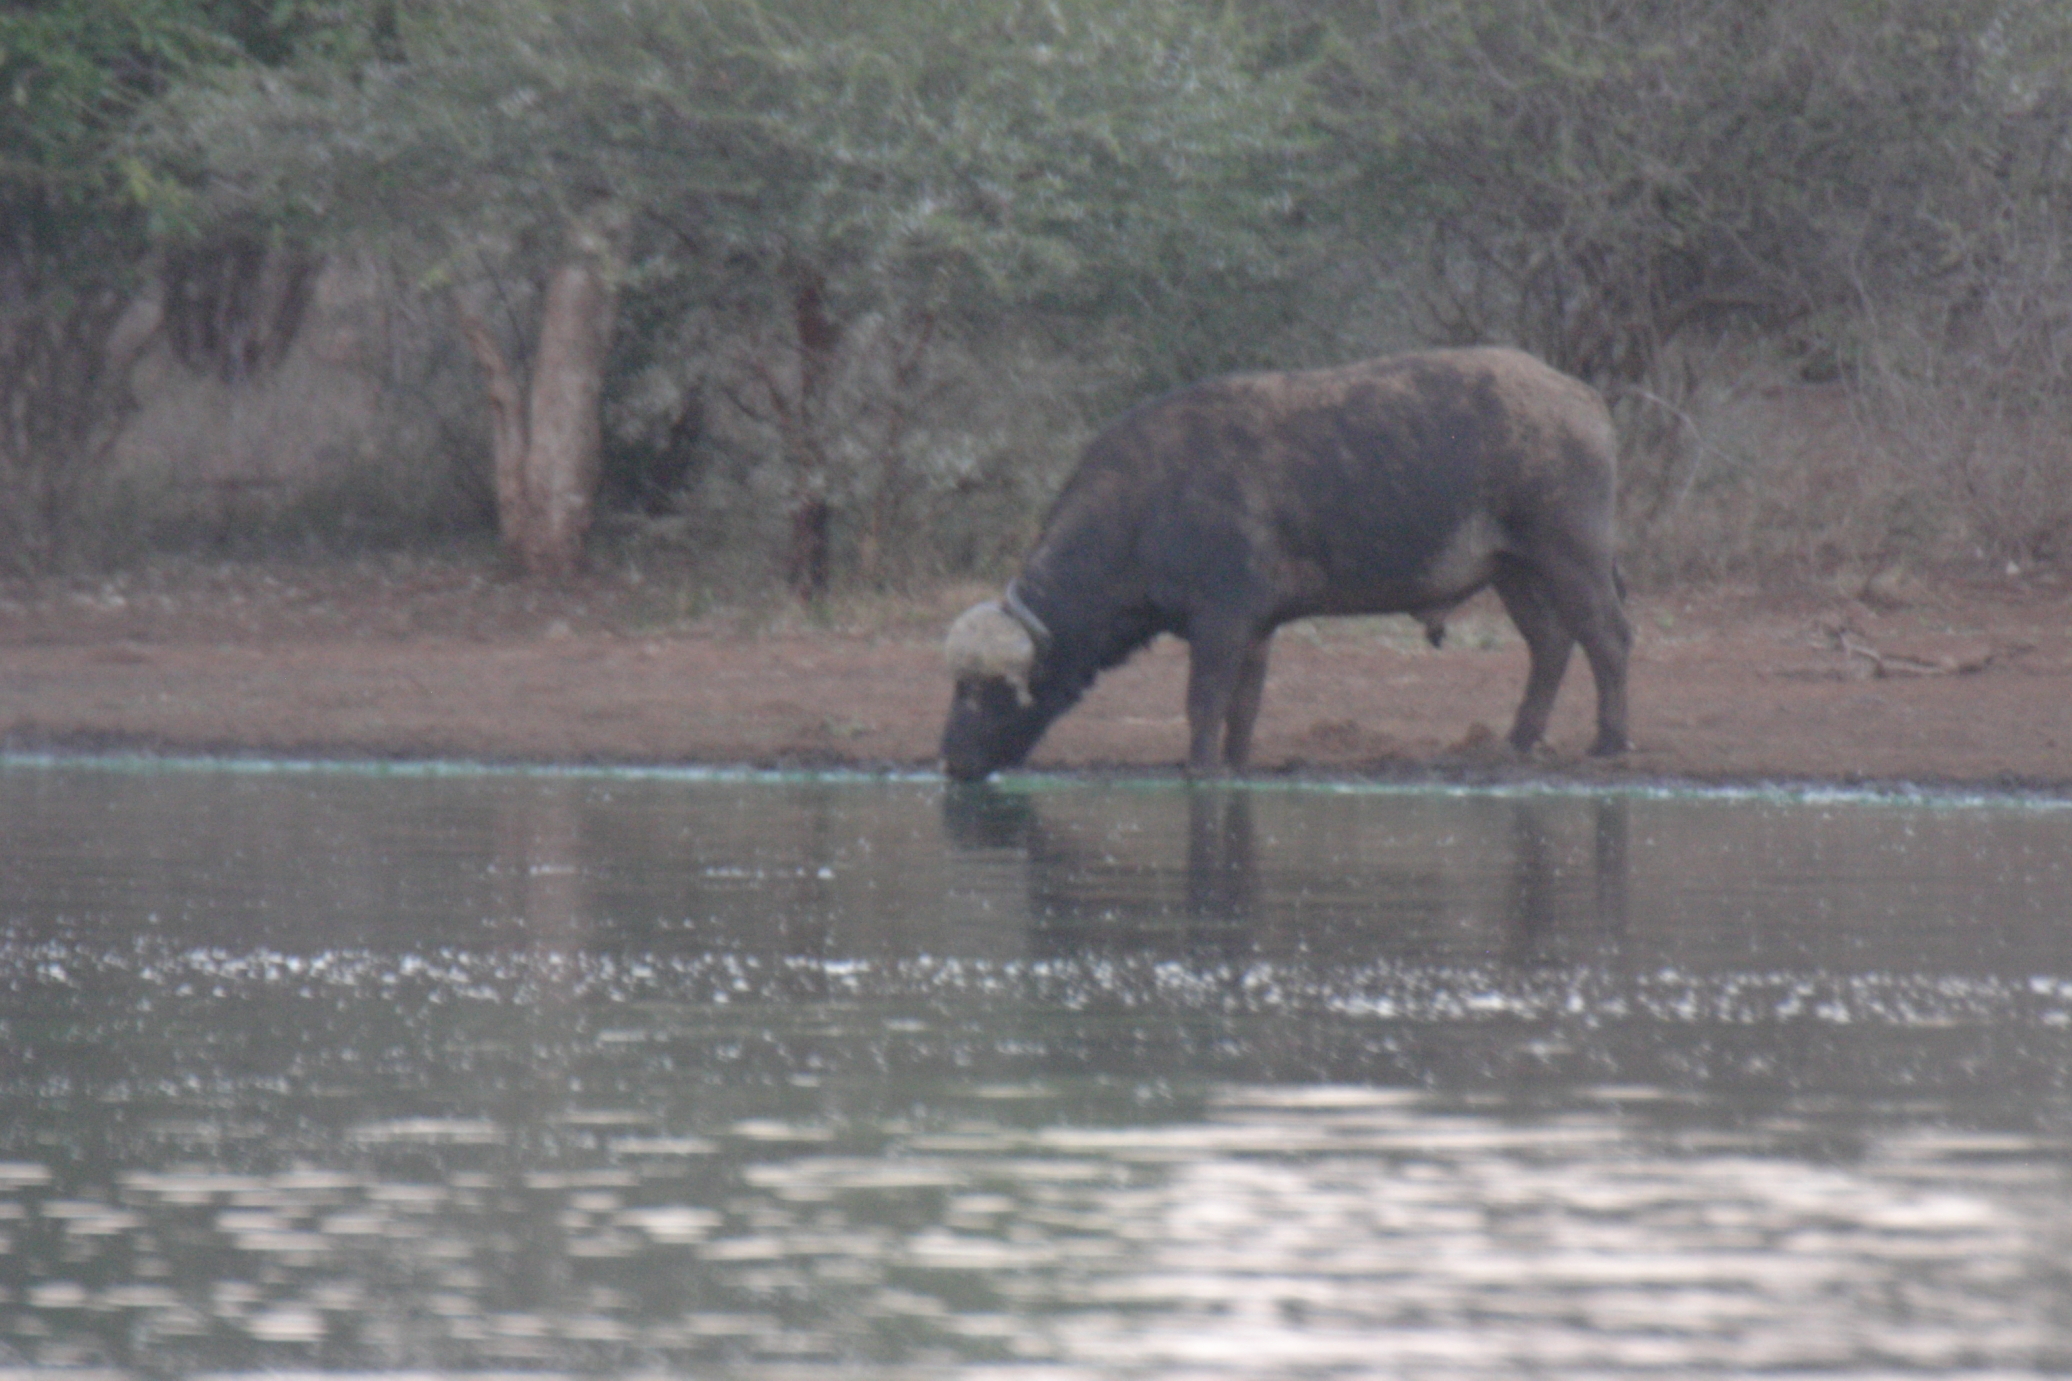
x: 595, y: 1075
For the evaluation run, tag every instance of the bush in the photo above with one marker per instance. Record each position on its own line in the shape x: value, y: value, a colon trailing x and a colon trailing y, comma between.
x: 938, y: 473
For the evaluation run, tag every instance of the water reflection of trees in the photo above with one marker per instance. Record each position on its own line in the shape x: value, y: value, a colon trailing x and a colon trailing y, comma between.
x: 539, y: 868
x: 1524, y: 880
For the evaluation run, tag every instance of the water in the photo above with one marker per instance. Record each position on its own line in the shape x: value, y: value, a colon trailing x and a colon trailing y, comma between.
x: 577, y: 1075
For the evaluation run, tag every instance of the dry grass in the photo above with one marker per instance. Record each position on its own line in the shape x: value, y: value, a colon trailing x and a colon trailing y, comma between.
x: 1796, y: 485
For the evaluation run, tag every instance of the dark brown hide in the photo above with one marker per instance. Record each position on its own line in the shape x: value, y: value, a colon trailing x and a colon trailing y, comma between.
x: 1399, y: 485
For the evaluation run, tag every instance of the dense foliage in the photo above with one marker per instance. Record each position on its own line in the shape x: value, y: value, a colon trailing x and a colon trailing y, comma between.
x: 76, y: 208
x: 876, y: 265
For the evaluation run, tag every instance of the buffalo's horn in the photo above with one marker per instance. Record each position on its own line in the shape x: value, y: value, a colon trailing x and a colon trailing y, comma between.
x: 1018, y: 610
x: 988, y: 641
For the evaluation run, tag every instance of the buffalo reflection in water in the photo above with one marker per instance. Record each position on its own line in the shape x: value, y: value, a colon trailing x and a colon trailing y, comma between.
x: 1543, y: 887
x: 1532, y: 893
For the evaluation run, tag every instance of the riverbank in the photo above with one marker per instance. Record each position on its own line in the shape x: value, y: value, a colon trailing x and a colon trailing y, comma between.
x: 1963, y: 682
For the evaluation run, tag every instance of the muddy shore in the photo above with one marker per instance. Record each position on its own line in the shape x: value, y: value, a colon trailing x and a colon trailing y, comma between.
x: 1951, y: 683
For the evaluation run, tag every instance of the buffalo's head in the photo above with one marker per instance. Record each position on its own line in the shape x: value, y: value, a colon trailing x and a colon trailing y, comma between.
x: 995, y: 719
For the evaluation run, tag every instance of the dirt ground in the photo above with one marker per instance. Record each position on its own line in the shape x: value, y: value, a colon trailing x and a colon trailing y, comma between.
x: 1946, y: 682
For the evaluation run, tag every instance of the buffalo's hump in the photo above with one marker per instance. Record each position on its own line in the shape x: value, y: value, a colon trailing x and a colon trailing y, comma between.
x: 1350, y: 484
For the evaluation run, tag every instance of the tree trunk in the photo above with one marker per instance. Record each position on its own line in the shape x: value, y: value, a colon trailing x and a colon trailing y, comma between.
x: 62, y: 402
x: 547, y: 438
x: 567, y: 436
x: 506, y: 428
x: 810, y: 566
x: 808, y: 569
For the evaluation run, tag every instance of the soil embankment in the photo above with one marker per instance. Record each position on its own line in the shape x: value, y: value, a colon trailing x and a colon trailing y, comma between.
x: 1953, y: 683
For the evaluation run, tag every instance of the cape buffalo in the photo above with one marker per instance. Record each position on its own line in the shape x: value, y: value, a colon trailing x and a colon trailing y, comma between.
x: 1220, y: 511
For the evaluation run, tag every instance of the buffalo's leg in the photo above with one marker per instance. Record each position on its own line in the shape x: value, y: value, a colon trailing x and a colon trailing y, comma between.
x: 1547, y: 638
x: 1584, y: 594
x: 1245, y: 696
x: 1590, y: 605
x: 1226, y: 670
x: 1608, y: 645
